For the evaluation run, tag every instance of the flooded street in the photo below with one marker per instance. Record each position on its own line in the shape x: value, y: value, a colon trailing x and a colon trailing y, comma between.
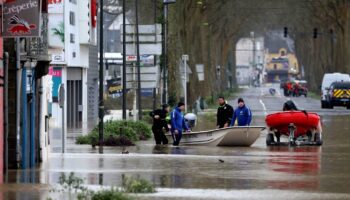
x: 202, y: 172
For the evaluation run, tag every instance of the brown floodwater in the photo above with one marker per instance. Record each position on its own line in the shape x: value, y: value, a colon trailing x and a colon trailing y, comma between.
x: 256, y: 172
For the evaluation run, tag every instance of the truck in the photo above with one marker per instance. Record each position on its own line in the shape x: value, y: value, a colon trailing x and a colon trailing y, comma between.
x: 327, y: 81
x: 338, y: 95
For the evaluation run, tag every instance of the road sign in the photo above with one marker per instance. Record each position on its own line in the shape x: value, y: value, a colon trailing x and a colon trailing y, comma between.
x: 147, y: 92
x: 145, y: 60
x: 21, y: 18
x: 169, y: 1
x: 200, y: 71
x: 148, y: 77
x: 185, y: 57
x: 150, y: 39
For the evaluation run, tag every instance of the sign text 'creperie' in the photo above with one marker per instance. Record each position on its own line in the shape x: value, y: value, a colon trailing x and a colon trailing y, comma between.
x: 16, y: 9
x: 21, y: 18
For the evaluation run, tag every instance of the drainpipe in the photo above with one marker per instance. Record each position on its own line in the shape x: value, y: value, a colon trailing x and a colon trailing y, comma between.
x: 24, y: 119
x: 32, y: 121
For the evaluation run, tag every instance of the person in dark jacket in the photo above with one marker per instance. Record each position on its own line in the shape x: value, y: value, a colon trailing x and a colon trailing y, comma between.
x: 242, y: 113
x: 289, y: 106
x: 178, y: 123
x: 160, y: 123
x: 224, y: 113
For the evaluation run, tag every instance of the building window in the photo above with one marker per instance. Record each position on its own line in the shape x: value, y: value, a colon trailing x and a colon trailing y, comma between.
x: 74, y: 54
x: 283, y: 53
x: 72, y: 18
x: 73, y: 1
x: 274, y: 66
x: 72, y: 38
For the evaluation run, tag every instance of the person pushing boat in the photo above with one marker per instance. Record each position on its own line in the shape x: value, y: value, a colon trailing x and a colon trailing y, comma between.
x: 242, y: 113
x: 160, y: 124
x: 224, y: 113
x: 178, y: 123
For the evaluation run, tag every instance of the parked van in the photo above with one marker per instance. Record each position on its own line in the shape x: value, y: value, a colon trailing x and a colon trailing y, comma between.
x: 328, y: 79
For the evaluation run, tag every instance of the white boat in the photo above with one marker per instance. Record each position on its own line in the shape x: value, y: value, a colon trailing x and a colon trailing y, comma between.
x: 232, y: 136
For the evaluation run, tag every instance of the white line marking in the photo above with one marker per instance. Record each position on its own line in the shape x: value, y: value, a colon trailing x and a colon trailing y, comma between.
x: 261, y: 92
x: 279, y: 93
x: 263, y: 105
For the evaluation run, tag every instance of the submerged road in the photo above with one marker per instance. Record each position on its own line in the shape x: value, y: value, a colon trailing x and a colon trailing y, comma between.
x: 262, y: 102
x: 195, y: 172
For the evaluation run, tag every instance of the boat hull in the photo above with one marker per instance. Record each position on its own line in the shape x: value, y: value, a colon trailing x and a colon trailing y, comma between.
x: 232, y: 136
x: 301, y: 120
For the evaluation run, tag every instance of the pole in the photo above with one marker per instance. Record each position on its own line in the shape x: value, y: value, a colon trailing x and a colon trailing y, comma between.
x: 18, y: 97
x: 61, y: 103
x: 101, y: 105
x: 165, y: 59
x: 6, y: 116
x: 155, y: 56
x: 138, y: 62
x: 124, y: 65
x: 332, y: 46
x: 24, y: 119
x: 155, y: 11
x: 63, y: 131
x: 32, y: 121
x: 185, y: 63
x: 254, y: 57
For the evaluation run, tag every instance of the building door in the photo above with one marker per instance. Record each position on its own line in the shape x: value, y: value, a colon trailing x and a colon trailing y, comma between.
x: 74, y: 100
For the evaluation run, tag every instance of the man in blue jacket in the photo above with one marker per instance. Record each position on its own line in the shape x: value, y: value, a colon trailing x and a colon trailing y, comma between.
x: 178, y: 123
x: 242, y: 113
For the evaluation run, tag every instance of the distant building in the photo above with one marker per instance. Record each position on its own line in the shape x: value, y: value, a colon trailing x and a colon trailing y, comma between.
x: 281, y: 61
x: 250, y: 60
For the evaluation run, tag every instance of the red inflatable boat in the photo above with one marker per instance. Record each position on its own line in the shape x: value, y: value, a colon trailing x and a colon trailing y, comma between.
x: 295, y: 125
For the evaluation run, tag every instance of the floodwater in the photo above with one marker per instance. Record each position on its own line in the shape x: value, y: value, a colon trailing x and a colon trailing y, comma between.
x: 256, y: 172
x: 201, y: 172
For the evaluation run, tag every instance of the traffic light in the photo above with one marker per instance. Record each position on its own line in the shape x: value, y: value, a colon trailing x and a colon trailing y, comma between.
x: 285, y: 32
x: 315, y: 33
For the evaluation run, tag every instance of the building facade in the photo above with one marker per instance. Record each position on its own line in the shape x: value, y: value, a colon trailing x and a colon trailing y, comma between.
x: 250, y: 60
x: 282, y: 63
x: 72, y: 45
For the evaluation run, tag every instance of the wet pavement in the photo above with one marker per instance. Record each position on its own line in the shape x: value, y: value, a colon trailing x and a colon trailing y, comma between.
x: 188, y: 172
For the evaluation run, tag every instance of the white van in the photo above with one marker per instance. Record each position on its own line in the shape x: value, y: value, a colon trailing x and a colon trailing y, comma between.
x: 327, y: 80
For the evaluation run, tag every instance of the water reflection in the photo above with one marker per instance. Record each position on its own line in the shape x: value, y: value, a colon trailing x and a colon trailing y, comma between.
x: 299, y: 165
x: 160, y: 149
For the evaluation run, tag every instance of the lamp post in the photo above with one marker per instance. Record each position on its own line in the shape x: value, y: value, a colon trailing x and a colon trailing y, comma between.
x: 164, y: 48
x: 185, y: 59
x: 101, y: 104
x: 138, y: 62
x: 124, y: 64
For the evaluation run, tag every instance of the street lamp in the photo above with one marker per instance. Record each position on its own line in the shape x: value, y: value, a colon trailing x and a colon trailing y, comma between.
x: 101, y: 81
x: 164, y: 48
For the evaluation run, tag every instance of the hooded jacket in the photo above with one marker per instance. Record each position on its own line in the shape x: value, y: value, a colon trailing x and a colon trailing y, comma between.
x: 243, y: 116
x: 177, y: 121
